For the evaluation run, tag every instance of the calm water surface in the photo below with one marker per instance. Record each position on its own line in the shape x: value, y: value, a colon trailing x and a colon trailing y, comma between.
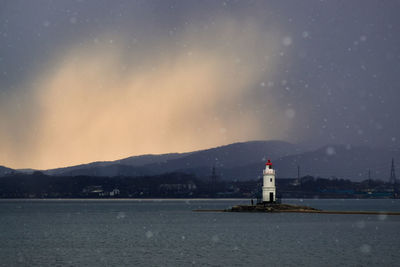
x: 168, y: 233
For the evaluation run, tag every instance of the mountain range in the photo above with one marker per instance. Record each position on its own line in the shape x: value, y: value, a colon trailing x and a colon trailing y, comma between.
x: 245, y: 161
x: 5, y: 171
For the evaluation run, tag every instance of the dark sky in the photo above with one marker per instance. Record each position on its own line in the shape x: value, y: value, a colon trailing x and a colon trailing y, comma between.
x: 100, y: 80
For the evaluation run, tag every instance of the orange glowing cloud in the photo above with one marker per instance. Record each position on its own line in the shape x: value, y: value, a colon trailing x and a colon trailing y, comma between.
x: 101, y: 102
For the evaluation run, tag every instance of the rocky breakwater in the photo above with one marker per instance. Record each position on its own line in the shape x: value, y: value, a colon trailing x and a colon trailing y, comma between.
x: 271, y: 207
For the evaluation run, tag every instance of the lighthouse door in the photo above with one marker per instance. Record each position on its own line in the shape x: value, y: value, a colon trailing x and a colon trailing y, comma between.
x: 271, y: 197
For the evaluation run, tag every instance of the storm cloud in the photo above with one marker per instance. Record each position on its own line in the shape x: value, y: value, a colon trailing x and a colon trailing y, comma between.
x: 100, y: 80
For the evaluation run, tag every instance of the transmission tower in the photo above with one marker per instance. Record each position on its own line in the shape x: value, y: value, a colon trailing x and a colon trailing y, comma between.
x: 369, y: 178
x: 298, y: 180
x: 298, y: 172
x: 213, y: 181
x: 392, y: 179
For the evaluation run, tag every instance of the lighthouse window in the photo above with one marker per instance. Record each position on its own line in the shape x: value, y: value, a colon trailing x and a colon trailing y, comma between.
x: 270, y: 179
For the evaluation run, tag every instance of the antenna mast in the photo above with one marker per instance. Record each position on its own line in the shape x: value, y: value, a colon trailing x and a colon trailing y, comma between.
x: 392, y: 179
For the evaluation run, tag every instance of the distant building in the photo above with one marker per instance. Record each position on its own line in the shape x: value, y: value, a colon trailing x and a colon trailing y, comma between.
x: 178, y: 187
x: 93, y: 189
x: 115, y: 192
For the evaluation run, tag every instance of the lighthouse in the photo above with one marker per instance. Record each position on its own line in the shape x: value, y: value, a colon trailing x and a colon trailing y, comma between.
x: 269, y: 189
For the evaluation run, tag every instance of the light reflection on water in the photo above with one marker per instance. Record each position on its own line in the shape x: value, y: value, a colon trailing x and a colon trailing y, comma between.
x: 168, y: 233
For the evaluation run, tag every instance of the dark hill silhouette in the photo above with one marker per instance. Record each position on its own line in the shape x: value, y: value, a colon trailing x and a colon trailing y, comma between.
x: 332, y: 161
x: 5, y: 170
x: 99, y: 168
x: 245, y: 161
x: 342, y: 161
x: 198, y: 162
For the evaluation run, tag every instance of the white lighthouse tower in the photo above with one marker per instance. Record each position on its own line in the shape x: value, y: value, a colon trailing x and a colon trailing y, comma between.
x: 269, y: 189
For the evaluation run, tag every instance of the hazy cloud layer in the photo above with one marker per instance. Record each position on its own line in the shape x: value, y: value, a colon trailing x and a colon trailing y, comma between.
x: 100, y: 80
x: 103, y: 101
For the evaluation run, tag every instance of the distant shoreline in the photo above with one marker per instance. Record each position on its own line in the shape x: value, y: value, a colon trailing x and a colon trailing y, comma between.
x: 175, y: 199
x: 125, y: 199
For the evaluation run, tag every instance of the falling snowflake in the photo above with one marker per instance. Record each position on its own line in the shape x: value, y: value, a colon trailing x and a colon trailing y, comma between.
x: 215, y: 239
x: 365, y: 248
x: 149, y: 234
x: 330, y: 151
x: 287, y: 41
x: 290, y: 113
x: 73, y: 20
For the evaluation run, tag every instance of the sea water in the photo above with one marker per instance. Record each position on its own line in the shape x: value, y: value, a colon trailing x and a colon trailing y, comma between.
x: 169, y: 233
